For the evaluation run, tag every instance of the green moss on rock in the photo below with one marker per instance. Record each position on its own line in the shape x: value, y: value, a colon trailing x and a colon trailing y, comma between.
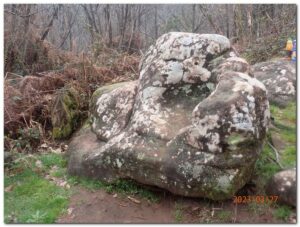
x: 103, y: 90
x: 65, y: 113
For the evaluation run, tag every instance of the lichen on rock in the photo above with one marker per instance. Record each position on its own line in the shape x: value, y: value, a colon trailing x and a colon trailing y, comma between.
x: 193, y: 123
x: 279, y: 77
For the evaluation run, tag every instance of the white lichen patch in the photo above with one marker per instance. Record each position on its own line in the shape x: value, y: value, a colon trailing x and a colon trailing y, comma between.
x: 241, y: 121
x: 119, y: 163
x: 290, y: 88
x: 248, y: 84
x: 213, y: 143
x: 223, y: 182
x: 197, y: 171
x: 153, y: 92
x: 174, y: 72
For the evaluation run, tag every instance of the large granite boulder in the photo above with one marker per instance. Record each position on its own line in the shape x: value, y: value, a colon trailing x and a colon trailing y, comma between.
x: 284, y: 185
x: 193, y: 123
x: 279, y: 77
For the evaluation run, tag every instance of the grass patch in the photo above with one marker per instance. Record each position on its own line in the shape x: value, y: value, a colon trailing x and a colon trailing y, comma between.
x: 224, y: 216
x: 178, y: 213
x: 265, y: 167
x: 289, y: 156
x: 33, y: 199
x: 285, y: 128
x: 258, y: 208
x: 285, y: 118
x: 30, y: 198
x: 282, y: 212
x: 123, y: 187
x: 53, y: 159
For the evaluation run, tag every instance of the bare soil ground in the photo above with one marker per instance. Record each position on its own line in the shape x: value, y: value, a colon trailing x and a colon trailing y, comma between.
x: 98, y: 206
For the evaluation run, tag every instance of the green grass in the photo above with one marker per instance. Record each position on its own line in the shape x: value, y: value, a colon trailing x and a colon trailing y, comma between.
x: 123, y: 187
x: 283, y: 212
x: 289, y: 157
x: 285, y: 122
x: 285, y: 128
x: 178, y: 213
x: 224, y: 216
x: 265, y: 168
x: 33, y: 199
x: 258, y: 208
x: 53, y: 159
x: 286, y: 117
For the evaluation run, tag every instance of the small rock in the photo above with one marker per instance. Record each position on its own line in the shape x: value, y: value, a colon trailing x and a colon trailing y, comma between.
x: 70, y: 210
x: 9, y: 188
x: 39, y: 164
x: 283, y: 184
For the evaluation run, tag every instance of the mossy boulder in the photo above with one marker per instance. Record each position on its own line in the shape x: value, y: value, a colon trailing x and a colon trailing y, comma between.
x: 65, y: 115
x: 190, y: 125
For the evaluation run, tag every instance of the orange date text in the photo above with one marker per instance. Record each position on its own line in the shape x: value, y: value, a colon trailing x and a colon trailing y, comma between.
x: 255, y: 198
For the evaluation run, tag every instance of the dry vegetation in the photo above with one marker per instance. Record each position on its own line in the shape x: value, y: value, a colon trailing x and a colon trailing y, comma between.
x: 28, y: 100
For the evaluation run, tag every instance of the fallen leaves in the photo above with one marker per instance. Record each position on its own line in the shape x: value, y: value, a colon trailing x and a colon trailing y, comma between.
x: 56, y: 151
x: 58, y: 181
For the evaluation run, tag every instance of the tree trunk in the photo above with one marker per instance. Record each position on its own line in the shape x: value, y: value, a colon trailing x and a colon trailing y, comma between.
x: 193, y: 17
x: 227, y: 21
x: 45, y: 34
x: 155, y: 22
x: 108, y: 27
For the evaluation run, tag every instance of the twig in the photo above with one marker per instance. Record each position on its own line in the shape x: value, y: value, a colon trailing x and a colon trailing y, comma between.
x: 134, y: 200
x: 123, y: 205
x: 23, y: 115
x: 276, y: 154
x: 139, y: 217
x: 7, y: 73
x: 10, y: 119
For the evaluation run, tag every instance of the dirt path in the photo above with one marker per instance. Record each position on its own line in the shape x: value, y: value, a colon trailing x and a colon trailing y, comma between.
x: 101, y: 207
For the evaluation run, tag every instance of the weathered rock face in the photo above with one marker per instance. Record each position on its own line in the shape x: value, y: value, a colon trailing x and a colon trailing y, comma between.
x: 279, y: 77
x: 193, y: 123
x: 284, y: 185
